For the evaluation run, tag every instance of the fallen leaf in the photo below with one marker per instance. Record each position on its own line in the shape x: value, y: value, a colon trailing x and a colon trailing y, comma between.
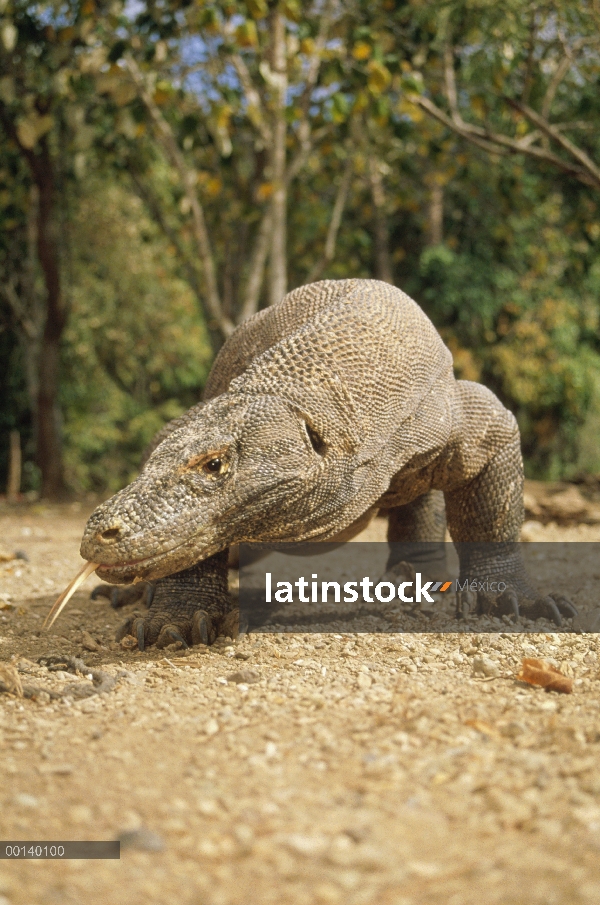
x: 540, y: 672
x: 10, y: 681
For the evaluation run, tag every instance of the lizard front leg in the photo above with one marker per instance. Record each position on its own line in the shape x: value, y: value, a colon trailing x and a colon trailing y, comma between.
x: 483, y: 473
x: 189, y: 607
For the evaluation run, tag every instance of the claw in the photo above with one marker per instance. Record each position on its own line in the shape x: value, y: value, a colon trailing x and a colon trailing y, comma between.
x: 140, y: 634
x: 565, y: 606
x: 168, y: 635
x: 177, y: 636
x: 149, y: 595
x: 550, y: 607
x: 101, y: 590
x: 230, y: 626
x: 510, y: 602
x: 114, y: 599
x: 200, y: 628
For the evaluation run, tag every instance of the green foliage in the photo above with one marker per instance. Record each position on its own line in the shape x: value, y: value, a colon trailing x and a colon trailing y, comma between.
x: 135, y: 351
x: 513, y: 285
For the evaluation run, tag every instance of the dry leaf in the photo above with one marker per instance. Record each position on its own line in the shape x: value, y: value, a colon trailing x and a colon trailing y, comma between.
x: 540, y: 672
x: 10, y: 681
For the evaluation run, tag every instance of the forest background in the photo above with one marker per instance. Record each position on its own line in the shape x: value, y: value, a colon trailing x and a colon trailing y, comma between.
x: 168, y: 168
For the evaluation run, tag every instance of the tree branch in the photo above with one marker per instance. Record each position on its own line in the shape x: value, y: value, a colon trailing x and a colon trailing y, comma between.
x: 580, y: 156
x: 334, y: 224
x: 188, y: 180
x: 315, y: 60
x: 256, y: 112
x: 258, y: 261
x: 495, y: 143
x: 451, y: 84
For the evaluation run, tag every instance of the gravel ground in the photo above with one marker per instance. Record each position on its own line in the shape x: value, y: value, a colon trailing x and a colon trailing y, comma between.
x: 321, y: 768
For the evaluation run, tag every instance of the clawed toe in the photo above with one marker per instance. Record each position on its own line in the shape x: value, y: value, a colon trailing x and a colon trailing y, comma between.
x: 547, y: 607
x: 202, y: 628
x: 508, y: 603
x: 163, y: 628
x: 565, y: 606
x: 140, y: 633
x: 170, y: 634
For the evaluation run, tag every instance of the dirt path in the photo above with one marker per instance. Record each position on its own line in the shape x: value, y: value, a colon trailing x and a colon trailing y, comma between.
x: 352, y: 769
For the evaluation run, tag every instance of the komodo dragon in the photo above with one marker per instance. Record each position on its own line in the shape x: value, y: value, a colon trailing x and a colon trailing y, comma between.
x: 319, y: 411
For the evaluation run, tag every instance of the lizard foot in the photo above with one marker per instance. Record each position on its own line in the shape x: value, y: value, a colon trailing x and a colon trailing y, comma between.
x: 188, y: 607
x: 120, y: 595
x: 509, y: 602
x: 164, y: 628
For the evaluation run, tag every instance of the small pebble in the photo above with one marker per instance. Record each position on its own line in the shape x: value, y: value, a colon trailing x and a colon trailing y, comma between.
x: 247, y: 676
x: 485, y: 667
x: 88, y: 642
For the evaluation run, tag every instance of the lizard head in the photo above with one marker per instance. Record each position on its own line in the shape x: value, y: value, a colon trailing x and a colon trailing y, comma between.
x: 250, y: 468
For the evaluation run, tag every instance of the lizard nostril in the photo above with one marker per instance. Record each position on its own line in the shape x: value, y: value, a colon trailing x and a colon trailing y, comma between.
x: 110, y: 534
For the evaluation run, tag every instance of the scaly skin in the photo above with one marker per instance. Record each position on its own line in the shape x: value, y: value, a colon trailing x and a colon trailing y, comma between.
x: 336, y: 402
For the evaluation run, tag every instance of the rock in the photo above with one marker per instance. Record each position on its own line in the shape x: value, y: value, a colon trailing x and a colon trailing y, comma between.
x: 485, y: 667
x: 364, y: 681
x: 247, y: 676
x: 211, y: 727
x: 88, y: 642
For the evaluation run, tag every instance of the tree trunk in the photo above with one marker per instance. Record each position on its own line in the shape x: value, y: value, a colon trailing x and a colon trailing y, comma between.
x: 383, y: 263
x: 49, y: 446
x: 278, y: 258
x: 436, y: 215
x: 13, y: 485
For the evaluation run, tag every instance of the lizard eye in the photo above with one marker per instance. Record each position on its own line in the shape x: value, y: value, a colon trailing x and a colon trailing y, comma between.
x: 213, y: 466
x: 317, y: 442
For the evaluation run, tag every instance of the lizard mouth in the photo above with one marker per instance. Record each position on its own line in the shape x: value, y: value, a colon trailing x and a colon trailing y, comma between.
x: 159, y: 565
x: 136, y: 569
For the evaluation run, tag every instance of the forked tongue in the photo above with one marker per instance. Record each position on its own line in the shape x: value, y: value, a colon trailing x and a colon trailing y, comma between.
x: 85, y: 571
